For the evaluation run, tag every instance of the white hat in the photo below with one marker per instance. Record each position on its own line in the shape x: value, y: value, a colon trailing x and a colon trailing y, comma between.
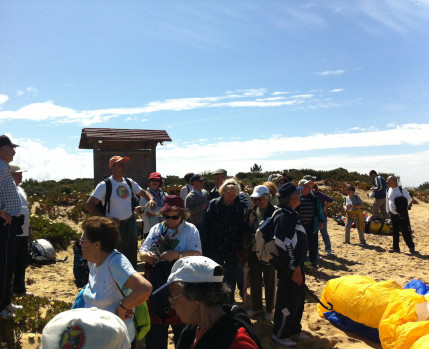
x: 303, y: 182
x: 194, y: 269
x: 15, y: 169
x: 309, y: 178
x: 259, y: 190
x: 85, y: 328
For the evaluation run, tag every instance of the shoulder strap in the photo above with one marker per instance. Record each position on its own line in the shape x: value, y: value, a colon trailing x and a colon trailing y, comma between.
x: 129, y: 184
x: 108, y: 194
x: 400, y: 189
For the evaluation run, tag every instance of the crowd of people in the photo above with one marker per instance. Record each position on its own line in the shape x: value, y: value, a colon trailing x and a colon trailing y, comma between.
x: 199, y: 244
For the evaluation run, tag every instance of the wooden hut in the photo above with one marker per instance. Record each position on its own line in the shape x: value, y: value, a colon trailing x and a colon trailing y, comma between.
x: 139, y: 145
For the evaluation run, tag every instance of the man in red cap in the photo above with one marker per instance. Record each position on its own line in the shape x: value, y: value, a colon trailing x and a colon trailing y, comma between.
x: 11, y: 221
x: 118, y: 204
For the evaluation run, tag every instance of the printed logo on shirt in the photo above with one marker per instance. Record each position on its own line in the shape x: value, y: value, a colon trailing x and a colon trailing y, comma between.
x: 122, y: 192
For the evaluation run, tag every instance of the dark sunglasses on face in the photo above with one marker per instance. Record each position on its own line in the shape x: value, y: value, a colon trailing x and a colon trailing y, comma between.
x: 170, y: 217
x: 155, y: 180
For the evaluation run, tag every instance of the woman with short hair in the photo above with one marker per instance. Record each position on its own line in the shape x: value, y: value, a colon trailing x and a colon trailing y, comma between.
x: 353, y: 206
x: 198, y: 296
x: 113, y: 283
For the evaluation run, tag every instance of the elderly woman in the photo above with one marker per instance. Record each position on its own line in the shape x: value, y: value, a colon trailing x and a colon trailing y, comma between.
x: 353, y: 206
x: 113, y: 283
x: 152, y: 216
x: 169, y: 241
x: 198, y: 296
x: 222, y: 231
x: 260, y: 212
x: 291, y: 241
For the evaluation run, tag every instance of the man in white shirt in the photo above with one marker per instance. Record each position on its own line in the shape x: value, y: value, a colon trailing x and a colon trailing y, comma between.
x: 399, y: 219
x: 22, y: 240
x: 119, y: 206
x: 186, y: 189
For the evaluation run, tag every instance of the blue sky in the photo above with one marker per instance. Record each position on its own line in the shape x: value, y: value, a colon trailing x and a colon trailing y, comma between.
x: 285, y: 84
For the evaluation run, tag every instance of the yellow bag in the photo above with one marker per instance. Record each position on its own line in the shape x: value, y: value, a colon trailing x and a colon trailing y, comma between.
x: 421, y: 343
x: 399, y: 327
x: 359, y: 298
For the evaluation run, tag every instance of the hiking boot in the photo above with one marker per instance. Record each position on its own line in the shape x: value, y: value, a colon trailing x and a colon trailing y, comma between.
x: 13, y: 307
x: 6, y: 314
x: 286, y: 342
x: 394, y: 250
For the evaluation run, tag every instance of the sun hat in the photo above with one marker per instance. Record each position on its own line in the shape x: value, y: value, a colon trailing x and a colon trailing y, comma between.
x: 219, y: 171
x: 114, y: 159
x: 196, y: 177
x: 155, y: 175
x: 173, y: 203
x: 85, y: 328
x: 194, y: 269
x: 15, y: 169
x: 259, y: 190
x: 4, y: 140
x: 303, y: 182
x: 309, y: 178
x: 286, y: 189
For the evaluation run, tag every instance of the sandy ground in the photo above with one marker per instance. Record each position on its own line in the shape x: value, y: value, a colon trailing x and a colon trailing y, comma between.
x: 375, y: 261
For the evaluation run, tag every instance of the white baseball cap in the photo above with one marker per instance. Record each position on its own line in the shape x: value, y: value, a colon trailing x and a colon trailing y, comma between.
x: 260, y: 190
x: 86, y: 328
x: 194, y: 269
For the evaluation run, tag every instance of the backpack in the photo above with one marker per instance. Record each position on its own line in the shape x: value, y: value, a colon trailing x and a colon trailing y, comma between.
x: 42, y: 252
x: 106, y: 207
x: 264, y: 246
x: 159, y: 305
x: 80, y: 266
x: 401, y: 204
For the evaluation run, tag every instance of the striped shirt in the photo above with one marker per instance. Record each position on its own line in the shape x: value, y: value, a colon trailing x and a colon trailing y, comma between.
x: 9, y: 197
x: 306, y: 209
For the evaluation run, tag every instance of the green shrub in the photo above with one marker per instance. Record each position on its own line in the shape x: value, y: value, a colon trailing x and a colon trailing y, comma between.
x: 58, y: 234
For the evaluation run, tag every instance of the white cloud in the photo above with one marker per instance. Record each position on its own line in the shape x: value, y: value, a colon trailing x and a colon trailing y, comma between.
x: 49, y: 111
x: 337, y: 90
x: 331, y: 72
x: 4, y: 99
x: 274, y: 153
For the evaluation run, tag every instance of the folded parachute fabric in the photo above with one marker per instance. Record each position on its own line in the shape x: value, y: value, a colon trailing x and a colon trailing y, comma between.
x: 400, y: 315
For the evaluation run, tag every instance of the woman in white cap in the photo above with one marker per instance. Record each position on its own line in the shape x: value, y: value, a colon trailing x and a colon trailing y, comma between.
x: 198, y: 294
x: 260, y: 212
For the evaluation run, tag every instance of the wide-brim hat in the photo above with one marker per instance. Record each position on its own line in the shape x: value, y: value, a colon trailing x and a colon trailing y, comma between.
x: 173, y: 203
x: 15, y: 169
x: 114, y: 159
x: 194, y: 269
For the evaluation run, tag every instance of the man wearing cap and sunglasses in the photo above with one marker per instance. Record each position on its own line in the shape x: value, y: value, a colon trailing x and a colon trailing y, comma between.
x: 119, y: 205
x: 11, y: 221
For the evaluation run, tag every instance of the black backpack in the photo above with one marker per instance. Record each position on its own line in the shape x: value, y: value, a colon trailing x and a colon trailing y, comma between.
x: 401, y: 204
x: 106, y: 207
x: 80, y: 266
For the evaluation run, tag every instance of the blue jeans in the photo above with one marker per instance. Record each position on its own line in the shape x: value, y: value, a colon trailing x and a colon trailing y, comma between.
x: 325, y: 237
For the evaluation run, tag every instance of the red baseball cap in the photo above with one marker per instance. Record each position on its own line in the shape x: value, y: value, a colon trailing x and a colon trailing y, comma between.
x: 155, y: 175
x: 117, y: 158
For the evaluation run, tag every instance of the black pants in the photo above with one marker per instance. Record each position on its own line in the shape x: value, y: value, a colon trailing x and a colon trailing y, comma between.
x: 404, y: 224
x: 289, y: 306
x: 21, y: 263
x: 7, y: 262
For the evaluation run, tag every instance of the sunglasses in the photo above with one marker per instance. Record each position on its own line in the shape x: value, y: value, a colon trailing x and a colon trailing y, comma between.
x: 173, y: 299
x: 258, y: 199
x: 155, y: 180
x: 170, y: 217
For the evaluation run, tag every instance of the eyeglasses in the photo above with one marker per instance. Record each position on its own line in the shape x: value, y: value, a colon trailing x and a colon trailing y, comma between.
x: 172, y: 300
x: 171, y: 217
x: 155, y: 180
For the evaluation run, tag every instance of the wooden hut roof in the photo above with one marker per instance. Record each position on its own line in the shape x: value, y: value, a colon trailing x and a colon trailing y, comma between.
x: 91, y: 135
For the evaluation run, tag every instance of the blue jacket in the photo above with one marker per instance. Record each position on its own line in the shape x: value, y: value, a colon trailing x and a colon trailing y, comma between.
x: 380, y: 187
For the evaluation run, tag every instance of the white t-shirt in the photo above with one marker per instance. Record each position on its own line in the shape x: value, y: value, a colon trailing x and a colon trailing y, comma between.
x: 24, y: 211
x: 392, y: 193
x: 120, y: 200
x: 102, y: 291
x: 188, y: 239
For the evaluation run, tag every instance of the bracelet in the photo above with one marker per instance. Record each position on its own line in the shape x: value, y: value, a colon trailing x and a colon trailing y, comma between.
x: 120, y: 304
